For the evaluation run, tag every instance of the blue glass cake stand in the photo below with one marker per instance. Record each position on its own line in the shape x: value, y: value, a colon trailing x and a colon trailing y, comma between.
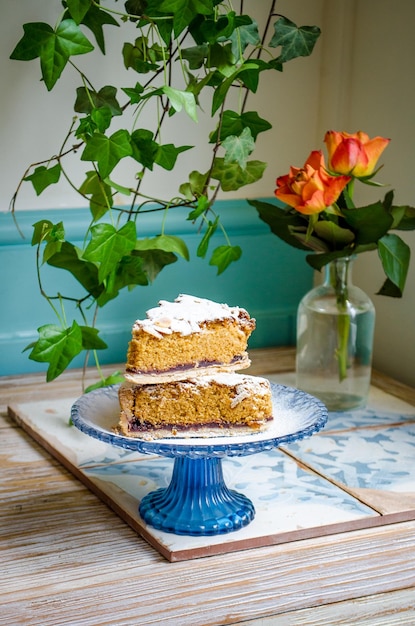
x: 197, y: 500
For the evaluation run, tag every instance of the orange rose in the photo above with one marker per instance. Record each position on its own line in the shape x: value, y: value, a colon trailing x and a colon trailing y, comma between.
x: 354, y: 154
x: 310, y: 189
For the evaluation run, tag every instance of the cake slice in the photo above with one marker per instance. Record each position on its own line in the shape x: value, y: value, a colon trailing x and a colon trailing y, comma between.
x: 219, y: 405
x: 185, y: 337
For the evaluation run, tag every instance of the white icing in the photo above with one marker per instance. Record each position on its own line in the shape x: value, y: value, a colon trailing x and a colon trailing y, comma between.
x: 184, y: 316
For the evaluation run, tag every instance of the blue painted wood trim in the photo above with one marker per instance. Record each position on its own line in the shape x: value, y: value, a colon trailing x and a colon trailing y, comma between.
x: 268, y: 280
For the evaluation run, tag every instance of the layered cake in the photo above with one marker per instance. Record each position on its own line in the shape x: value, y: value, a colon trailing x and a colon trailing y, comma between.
x: 221, y: 404
x: 187, y: 337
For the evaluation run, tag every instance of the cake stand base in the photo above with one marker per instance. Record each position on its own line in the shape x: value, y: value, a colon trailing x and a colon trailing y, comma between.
x: 197, y: 501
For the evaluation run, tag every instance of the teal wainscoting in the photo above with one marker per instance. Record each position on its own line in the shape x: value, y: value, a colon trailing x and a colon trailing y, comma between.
x: 268, y: 280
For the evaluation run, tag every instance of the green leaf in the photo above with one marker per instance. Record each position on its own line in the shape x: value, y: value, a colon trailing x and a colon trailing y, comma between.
x: 184, y: 11
x: 129, y: 272
x: 141, y: 57
x: 195, y: 55
x: 182, y: 99
x: 233, y: 124
x: 108, y: 245
x: 112, y: 379
x: 68, y: 40
x: 204, y: 244
x: 69, y: 258
x: 394, y: 255
x: 333, y: 234
x: 281, y: 222
x: 369, y: 223
x: 223, y: 256
x: 87, y: 100
x: 45, y: 230
x: 107, y: 152
x: 56, y: 346
x: 100, y: 192
x: 243, y: 36
x: 43, y: 176
x: 134, y: 93
x: 90, y: 339
x: 95, y: 19
x: 407, y: 221
x: 78, y: 9
x: 221, y: 57
x: 195, y: 187
x: 202, y: 206
x: 36, y: 34
x: 153, y: 261
x: 167, y: 243
x: 144, y: 148
x: 231, y: 176
x: 238, y: 148
x: 166, y: 155
x: 294, y: 41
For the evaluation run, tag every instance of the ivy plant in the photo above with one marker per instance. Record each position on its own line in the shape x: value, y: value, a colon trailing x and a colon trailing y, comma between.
x: 182, y: 52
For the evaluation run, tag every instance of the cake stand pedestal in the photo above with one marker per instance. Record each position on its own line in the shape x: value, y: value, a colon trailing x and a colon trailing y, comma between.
x: 197, y: 501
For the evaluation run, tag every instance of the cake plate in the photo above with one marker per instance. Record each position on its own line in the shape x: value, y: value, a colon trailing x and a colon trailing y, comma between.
x: 197, y: 501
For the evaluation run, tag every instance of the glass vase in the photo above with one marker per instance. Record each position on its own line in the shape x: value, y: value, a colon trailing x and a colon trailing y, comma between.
x: 335, y: 328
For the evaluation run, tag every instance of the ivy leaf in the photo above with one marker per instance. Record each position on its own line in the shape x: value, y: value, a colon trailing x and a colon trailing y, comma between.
x: 95, y: 19
x: 195, y: 55
x: 107, y: 152
x: 128, y: 272
x: 195, y: 187
x: 68, y: 40
x: 56, y: 346
x: 69, y: 258
x: 153, y: 261
x: 45, y: 230
x: 201, y: 207
x: 90, y: 339
x: 243, y: 36
x: 182, y: 99
x: 223, y: 256
x: 184, y: 11
x: 294, y: 41
x: 238, y: 148
x: 100, y: 192
x: 108, y: 245
x: 134, y: 93
x: 88, y: 100
x: 43, y: 176
x: 234, y: 124
x: 166, y: 156
x: 394, y: 254
x: 141, y: 57
x: 204, y: 244
x: 222, y: 89
x: 231, y: 175
x: 36, y: 34
x: 144, y: 148
x: 112, y: 379
x: 167, y: 243
x: 78, y: 9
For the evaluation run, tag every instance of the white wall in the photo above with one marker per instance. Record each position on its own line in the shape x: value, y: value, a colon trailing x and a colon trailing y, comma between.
x: 368, y: 83
x: 31, y: 127
x: 360, y: 77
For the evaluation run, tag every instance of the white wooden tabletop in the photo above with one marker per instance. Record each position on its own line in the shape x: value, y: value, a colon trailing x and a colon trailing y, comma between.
x: 66, y: 558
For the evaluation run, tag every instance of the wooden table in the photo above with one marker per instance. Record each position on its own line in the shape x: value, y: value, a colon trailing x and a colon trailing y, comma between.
x: 68, y: 559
